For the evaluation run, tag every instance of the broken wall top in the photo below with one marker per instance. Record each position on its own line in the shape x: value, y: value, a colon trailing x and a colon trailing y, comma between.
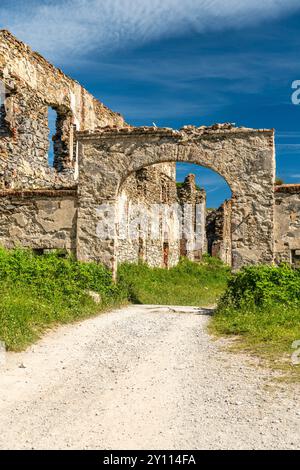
x: 19, y: 63
x: 287, y: 188
x: 185, y: 133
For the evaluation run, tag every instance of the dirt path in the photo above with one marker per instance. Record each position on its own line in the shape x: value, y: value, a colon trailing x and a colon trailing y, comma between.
x: 142, y: 378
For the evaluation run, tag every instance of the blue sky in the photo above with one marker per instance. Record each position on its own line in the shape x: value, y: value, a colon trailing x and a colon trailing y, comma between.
x: 177, y: 62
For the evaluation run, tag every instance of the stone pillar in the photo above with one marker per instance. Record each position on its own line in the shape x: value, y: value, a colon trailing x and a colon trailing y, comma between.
x: 96, y: 225
x: 252, y: 224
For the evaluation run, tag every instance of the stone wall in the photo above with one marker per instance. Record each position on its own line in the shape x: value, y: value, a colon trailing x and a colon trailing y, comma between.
x: 286, y: 227
x: 218, y: 232
x: 287, y: 223
x: 148, y: 233
x: 33, y: 86
x: 115, y: 166
x: 38, y: 219
x: 150, y: 210
x: 244, y: 157
x: 192, y: 199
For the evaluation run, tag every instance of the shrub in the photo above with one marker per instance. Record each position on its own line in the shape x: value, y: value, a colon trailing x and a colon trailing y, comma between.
x: 37, y: 291
x: 262, y: 286
x: 261, y: 303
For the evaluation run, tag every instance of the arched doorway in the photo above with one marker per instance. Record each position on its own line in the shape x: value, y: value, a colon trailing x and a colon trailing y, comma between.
x: 245, y: 158
x: 198, y: 184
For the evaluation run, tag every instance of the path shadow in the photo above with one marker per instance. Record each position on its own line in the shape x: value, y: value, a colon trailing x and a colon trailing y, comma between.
x: 206, y: 311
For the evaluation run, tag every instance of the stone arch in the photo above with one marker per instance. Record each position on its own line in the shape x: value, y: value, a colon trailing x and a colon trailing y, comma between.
x: 245, y: 158
x: 135, y: 168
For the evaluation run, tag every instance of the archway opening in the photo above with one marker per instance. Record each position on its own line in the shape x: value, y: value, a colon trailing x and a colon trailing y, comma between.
x: 170, y: 210
x: 244, y: 157
x: 194, y: 181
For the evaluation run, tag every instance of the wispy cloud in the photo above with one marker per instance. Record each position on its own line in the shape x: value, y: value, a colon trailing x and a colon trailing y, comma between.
x: 288, y: 148
x: 236, y: 67
x: 166, y: 107
x: 288, y: 135
x: 204, y: 176
x: 73, y: 28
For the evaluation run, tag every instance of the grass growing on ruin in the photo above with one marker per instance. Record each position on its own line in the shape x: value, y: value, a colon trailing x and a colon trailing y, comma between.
x: 40, y: 291
x: 195, y: 284
x: 261, y: 307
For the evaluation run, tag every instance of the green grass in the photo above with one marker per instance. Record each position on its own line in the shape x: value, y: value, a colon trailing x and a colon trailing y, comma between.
x: 260, y: 305
x: 195, y: 284
x: 270, y: 329
x: 261, y: 308
x: 37, y: 292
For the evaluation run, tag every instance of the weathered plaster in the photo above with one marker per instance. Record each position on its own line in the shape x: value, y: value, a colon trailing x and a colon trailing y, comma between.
x: 287, y: 221
x: 38, y: 219
x: 33, y: 85
x: 244, y: 157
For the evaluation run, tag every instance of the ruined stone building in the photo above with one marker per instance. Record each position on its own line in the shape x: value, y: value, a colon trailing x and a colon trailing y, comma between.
x: 152, y: 231
x: 218, y: 232
x: 286, y: 227
x: 287, y: 223
x: 99, y: 198
x: 38, y: 199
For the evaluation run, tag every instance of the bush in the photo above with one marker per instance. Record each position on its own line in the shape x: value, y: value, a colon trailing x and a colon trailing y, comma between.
x: 263, y: 286
x: 37, y: 291
x: 261, y: 303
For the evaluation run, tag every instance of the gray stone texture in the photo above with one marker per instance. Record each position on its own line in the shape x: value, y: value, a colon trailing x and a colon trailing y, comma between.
x: 192, y: 199
x: 100, y: 160
x: 32, y: 86
x: 244, y: 157
x: 218, y: 232
x: 287, y: 223
x: 41, y: 220
x: 138, y: 198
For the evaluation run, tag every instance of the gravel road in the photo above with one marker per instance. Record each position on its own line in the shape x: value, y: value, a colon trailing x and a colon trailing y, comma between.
x: 143, y: 377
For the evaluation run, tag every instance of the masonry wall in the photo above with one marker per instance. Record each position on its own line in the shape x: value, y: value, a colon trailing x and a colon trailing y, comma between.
x: 192, y: 200
x: 218, y: 232
x: 38, y: 219
x: 149, y: 232
x: 244, y: 157
x: 163, y: 219
x: 286, y: 227
x: 32, y: 86
x: 31, y: 216
x: 109, y: 152
x: 287, y: 224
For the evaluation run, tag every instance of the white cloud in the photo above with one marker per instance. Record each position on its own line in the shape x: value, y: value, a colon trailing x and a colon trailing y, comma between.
x: 288, y: 135
x: 288, y: 148
x: 72, y: 28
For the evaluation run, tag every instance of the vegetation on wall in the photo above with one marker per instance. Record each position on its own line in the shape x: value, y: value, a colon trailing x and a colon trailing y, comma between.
x: 182, y: 184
